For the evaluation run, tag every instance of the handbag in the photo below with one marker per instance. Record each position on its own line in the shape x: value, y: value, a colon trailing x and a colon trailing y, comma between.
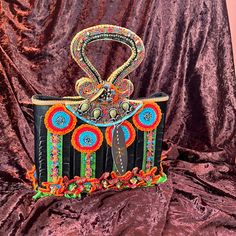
x: 99, y: 139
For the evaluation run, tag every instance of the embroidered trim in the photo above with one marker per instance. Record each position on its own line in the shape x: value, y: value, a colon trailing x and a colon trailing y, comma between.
x: 58, y: 120
x: 87, y: 138
x: 148, y: 117
x: 54, y: 156
x: 88, y: 165
x: 104, y: 120
x: 88, y: 170
x: 144, y: 151
x: 74, y: 187
x: 82, y: 164
x: 149, y: 149
x: 93, y: 164
x: 128, y: 130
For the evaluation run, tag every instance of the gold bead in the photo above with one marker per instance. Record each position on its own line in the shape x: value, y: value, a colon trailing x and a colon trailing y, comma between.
x: 96, y: 113
x: 125, y: 106
x: 84, y: 107
x: 113, y: 113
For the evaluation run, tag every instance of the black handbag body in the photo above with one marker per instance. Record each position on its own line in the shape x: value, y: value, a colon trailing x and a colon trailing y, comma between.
x: 99, y: 139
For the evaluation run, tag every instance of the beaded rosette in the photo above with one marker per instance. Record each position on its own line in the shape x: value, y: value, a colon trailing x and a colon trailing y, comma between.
x: 99, y: 139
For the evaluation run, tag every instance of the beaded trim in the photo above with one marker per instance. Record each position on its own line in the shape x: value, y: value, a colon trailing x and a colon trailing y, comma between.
x: 75, y: 187
x: 149, y: 149
x: 58, y: 120
x: 54, y: 157
x: 88, y: 165
x: 98, y: 114
x: 128, y: 130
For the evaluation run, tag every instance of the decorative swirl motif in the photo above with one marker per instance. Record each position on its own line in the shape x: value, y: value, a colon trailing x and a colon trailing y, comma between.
x: 86, y: 87
x: 107, y: 32
x: 125, y: 87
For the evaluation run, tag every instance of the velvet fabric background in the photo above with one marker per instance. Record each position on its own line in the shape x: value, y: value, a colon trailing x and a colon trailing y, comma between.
x: 188, y: 56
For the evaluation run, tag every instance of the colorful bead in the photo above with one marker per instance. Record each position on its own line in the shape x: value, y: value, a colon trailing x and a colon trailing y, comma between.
x: 87, y: 138
x: 129, y: 133
x: 58, y: 120
x: 148, y: 118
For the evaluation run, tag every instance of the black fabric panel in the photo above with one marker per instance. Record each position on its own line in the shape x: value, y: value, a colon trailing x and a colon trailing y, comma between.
x: 66, y: 149
x: 131, y: 156
x: 159, y: 135
x: 158, y: 148
x: 40, y: 154
x: 72, y: 167
x: 139, y: 142
x: 76, y: 162
x: 100, y: 157
x: 108, y: 160
x: 163, y: 106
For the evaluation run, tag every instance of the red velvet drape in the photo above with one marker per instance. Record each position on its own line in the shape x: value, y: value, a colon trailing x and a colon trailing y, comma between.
x: 188, y: 56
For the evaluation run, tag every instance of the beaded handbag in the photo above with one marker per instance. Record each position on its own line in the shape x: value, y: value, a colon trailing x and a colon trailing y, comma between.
x: 100, y: 139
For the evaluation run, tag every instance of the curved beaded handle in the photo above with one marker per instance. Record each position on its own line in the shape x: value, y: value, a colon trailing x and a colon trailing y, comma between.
x: 105, y: 32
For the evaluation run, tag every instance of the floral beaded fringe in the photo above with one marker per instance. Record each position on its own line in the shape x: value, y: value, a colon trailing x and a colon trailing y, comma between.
x: 75, y: 187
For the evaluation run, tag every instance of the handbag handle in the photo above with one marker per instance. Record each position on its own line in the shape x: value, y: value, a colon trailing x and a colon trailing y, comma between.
x: 92, y: 86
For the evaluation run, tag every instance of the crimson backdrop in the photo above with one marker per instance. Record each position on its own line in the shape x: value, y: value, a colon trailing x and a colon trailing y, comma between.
x: 188, y: 56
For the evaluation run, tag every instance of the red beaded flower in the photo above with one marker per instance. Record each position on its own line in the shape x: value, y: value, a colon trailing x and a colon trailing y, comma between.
x: 87, y: 138
x: 148, y: 118
x: 58, y: 120
x: 129, y: 133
